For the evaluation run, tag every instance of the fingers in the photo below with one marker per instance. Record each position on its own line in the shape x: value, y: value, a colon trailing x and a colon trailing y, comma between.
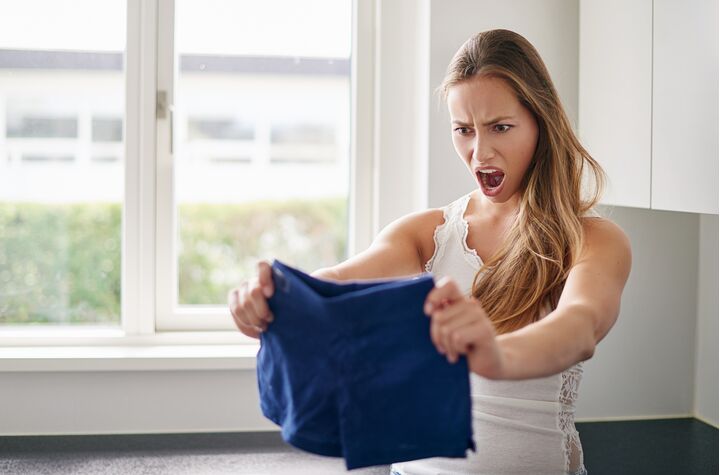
x: 445, y: 291
x: 258, y: 305
x: 471, y: 334
x: 240, y: 307
x: 248, y: 330
x: 265, y: 279
x: 236, y: 310
x: 456, y: 327
x: 452, y: 334
x: 248, y: 303
x: 438, y: 323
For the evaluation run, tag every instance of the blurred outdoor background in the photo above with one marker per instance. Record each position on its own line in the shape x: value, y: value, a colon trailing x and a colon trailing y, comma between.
x: 261, y: 160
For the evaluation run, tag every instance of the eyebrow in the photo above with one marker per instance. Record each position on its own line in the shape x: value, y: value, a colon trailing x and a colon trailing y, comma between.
x: 493, y: 121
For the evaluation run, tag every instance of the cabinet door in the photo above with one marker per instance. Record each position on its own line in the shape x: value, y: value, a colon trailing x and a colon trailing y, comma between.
x: 614, y: 117
x: 685, y: 106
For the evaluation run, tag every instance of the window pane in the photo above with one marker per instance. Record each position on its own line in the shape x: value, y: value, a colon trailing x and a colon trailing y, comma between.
x: 107, y: 129
x: 262, y: 111
x: 219, y: 129
x: 62, y: 95
x: 19, y: 126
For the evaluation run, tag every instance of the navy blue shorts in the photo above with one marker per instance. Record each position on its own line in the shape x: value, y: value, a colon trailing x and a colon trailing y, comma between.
x: 349, y: 370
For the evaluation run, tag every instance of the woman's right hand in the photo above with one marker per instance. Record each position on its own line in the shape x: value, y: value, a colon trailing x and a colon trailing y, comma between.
x: 248, y: 302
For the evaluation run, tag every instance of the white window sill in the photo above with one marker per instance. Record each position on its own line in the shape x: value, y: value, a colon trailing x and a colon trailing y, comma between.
x: 111, y: 350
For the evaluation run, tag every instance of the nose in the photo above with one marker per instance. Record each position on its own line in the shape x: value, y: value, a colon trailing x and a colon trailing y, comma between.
x: 481, y: 151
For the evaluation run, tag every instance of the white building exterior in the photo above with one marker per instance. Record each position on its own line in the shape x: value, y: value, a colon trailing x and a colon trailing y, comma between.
x: 246, y: 128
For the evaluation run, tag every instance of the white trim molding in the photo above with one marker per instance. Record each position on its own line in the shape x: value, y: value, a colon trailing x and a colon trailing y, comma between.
x: 402, y: 101
x: 138, y: 230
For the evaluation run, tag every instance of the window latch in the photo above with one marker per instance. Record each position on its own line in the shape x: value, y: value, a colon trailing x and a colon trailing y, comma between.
x: 161, y: 105
x: 163, y: 110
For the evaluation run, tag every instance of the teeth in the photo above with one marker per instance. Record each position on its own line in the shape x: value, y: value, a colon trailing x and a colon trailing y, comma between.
x: 488, y: 171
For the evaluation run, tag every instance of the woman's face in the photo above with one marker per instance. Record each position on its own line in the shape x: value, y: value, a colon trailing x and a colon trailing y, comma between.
x: 491, y: 130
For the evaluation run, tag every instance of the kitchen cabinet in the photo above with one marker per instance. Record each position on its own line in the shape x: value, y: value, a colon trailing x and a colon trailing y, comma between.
x: 685, y: 106
x: 648, y: 100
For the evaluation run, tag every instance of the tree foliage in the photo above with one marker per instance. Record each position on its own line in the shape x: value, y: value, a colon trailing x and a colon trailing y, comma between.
x: 61, y: 264
x: 219, y: 246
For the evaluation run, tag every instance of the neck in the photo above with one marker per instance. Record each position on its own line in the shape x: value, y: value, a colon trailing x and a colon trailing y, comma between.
x: 496, y: 211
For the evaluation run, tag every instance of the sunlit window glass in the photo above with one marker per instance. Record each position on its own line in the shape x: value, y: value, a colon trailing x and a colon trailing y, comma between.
x: 262, y: 117
x: 62, y: 97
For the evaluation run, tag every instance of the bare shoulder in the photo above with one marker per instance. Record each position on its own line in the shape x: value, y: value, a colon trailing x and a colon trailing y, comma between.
x: 422, y: 222
x: 604, y: 237
x: 422, y: 225
x: 427, y: 218
x: 417, y: 227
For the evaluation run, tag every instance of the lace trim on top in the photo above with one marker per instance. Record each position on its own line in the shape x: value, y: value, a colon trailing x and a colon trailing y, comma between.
x: 439, y: 243
x: 453, y: 215
x: 470, y: 254
x: 572, y: 448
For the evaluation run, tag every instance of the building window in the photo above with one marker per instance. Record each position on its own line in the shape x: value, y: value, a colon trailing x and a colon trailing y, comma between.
x: 41, y: 127
x: 107, y: 129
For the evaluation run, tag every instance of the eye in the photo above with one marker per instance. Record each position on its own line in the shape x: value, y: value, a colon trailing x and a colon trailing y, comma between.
x: 462, y: 130
x: 503, y: 125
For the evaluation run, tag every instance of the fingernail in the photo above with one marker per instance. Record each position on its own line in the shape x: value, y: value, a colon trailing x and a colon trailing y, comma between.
x: 266, y: 292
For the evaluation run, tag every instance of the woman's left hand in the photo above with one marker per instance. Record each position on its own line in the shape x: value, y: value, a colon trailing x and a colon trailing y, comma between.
x: 460, y: 326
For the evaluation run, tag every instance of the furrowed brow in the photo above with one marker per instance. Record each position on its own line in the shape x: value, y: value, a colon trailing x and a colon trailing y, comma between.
x: 497, y: 119
x: 493, y: 121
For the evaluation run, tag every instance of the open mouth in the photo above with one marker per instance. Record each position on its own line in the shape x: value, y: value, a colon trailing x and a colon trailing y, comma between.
x: 490, y: 181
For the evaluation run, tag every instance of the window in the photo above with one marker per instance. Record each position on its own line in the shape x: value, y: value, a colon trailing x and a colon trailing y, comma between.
x: 261, y: 169
x: 119, y: 210
x: 60, y: 220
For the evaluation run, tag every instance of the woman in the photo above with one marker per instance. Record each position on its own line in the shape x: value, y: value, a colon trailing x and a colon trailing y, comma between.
x: 528, y: 276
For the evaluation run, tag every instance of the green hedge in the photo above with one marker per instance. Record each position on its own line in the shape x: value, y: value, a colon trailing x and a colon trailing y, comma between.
x: 60, y: 264
x: 220, y: 245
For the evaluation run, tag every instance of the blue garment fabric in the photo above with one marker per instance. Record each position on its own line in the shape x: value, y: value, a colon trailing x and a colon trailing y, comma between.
x: 349, y: 370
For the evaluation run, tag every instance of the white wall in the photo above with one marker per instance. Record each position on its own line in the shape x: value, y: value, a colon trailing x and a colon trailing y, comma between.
x: 402, y: 37
x: 129, y: 402
x: 645, y: 365
x: 706, y: 361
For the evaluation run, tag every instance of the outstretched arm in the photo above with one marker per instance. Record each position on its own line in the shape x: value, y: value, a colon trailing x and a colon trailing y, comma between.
x: 395, y: 252
x: 587, y: 309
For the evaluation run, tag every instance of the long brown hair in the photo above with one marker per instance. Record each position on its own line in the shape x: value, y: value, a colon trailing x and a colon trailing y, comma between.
x: 529, y: 270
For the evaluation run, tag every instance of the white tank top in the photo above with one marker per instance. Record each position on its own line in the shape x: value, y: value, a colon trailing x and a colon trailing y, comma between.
x: 519, y: 427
